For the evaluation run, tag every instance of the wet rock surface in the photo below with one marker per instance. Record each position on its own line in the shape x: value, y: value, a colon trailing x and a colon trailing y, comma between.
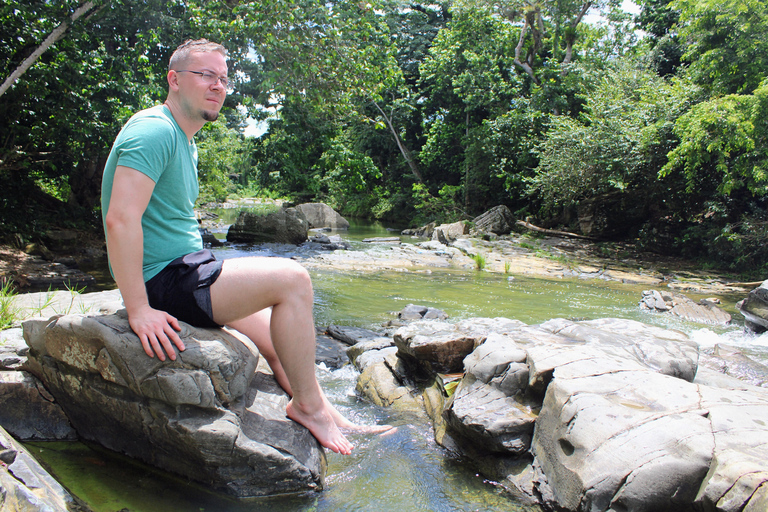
x: 25, y: 485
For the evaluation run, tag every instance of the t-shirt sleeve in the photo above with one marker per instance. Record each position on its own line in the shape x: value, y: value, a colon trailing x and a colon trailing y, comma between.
x: 147, y: 145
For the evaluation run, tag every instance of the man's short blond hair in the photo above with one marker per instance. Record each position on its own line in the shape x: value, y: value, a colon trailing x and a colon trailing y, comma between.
x: 190, y: 46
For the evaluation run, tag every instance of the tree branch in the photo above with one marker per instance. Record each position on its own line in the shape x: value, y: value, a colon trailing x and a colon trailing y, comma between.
x: 403, y: 150
x: 54, y: 36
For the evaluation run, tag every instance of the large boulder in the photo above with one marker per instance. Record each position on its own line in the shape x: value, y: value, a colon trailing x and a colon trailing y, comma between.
x: 320, y: 215
x: 284, y: 226
x: 755, y: 308
x: 210, y: 416
x: 611, y: 411
x: 448, y: 233
x: 498, y: 220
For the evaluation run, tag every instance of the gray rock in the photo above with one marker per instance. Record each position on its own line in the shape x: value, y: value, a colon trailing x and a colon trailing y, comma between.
x: 627, y: 440
x: 485, y: 415
x: 378, y: 381
x: 622, y: 426
x: 498, y: 220
x: 414, y: 312
x: 284, y: 226
x: 422, y: 232
x: 13, y: 349
x: 755, y: 308
x: 208, y: 416
x: 732, y: 361
x: 447, y: 233
x: 704, y: 311
x: 437, y: 343
x: 320, y: 215
x: 25, y: 486
x: 358, y: 349
x: 330, y: 352
x: 29, y: 412
x: 352, y: 335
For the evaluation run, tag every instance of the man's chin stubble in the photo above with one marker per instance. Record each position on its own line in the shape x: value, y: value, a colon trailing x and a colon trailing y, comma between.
x: 210, y: 115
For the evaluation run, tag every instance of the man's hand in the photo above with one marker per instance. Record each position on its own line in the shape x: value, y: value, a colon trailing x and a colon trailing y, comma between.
x: 157, y: 331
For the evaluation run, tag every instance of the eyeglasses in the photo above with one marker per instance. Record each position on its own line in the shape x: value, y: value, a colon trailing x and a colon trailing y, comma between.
x: 208, y: 78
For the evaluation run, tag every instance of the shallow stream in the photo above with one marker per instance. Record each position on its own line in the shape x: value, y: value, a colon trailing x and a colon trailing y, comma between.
x: 407, y: 470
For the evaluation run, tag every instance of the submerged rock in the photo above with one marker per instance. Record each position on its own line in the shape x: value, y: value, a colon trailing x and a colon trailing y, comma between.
x: 210, y: 416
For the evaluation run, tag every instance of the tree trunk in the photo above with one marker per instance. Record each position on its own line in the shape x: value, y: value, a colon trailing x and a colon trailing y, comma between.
x: 518, y: 50
x: 403, y: 150
x: 569, y: 41
x: 54, y: 36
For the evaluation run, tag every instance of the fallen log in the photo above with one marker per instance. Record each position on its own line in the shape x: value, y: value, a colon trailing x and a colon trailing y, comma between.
x: 553, y: 232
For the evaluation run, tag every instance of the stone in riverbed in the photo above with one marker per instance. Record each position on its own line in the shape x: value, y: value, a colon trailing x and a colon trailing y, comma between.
x: 284, y: 226
x: 210, y: 416
x: 755, y: 308
x: 498, y: 220
x: 29, y: 412
x: 320, y: 215
x: 439, y: 344
x: 704, y: 311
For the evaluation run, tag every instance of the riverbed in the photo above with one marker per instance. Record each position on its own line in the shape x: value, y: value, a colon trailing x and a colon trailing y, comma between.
x: 365, y: 286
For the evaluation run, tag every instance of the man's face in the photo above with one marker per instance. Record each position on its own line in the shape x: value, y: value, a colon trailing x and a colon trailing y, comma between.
x: 200, y: 99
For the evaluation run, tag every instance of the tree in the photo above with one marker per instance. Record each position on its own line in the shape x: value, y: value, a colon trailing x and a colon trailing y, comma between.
x: 727, y: 47
x: 467, y: 78
x: 63, y: 113
x: 618, y: 144
x: 55, y: 35
x: 659, y: 21
x: 724, y: 145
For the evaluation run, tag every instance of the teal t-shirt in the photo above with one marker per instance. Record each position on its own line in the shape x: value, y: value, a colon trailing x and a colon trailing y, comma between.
x: 152, y: 143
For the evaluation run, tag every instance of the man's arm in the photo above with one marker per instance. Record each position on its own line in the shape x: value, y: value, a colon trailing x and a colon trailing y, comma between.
x: 131, y: 192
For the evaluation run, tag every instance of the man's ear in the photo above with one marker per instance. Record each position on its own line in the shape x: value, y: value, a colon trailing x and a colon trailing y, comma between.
x: 173, y: 80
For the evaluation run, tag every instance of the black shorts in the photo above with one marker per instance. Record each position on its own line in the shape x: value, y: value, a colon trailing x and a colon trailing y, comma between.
x: 182, y: 289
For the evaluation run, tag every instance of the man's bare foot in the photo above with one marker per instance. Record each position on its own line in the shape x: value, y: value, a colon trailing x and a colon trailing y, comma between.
x: 321, y: 424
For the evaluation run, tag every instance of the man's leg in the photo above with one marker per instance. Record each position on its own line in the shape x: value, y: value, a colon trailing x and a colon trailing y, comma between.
x: 249, y: 285
x: 257, y: 328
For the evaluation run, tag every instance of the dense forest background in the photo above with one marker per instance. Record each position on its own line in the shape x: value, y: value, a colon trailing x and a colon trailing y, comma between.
x: 653, y: 125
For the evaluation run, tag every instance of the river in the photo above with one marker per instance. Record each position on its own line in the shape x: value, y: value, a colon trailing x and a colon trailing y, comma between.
x: 406, y: 470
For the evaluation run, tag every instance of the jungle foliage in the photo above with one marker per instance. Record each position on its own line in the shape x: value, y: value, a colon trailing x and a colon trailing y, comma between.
x: 411, y: 112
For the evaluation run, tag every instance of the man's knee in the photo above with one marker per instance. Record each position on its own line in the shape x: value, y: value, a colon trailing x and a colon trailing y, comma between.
x: 297, y: 275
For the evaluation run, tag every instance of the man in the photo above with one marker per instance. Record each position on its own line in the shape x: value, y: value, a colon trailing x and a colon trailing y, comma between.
x: 148, y: 193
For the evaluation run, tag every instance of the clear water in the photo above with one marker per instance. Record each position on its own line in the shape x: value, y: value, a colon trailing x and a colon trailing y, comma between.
x: 405, y: 471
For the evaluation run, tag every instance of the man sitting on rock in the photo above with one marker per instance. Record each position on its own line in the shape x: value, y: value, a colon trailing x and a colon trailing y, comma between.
x: 156, y: 253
